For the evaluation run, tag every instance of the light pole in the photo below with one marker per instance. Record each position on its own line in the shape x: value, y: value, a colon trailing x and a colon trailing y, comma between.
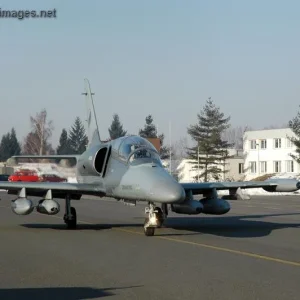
x: 257, y: 144
x: 198, y: 163
x: 170, y: 167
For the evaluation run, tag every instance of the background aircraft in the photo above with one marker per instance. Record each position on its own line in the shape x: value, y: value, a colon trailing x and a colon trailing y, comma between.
x: 129, y: 169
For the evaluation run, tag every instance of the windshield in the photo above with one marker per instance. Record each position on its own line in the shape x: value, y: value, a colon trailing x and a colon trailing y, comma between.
x: 135, y: 147
x: 144, y: 155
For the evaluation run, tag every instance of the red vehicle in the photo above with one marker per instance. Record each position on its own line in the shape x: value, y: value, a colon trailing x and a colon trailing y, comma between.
x: 24, y: 175
x: 52, y: 178
x: 32, y: 176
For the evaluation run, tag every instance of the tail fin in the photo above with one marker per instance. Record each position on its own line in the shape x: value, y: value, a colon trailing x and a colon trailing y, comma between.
x: 92, y: 126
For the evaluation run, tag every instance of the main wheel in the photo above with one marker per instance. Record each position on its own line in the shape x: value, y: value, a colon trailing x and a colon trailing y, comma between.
x: 72, y: 223
x: 149, y: 231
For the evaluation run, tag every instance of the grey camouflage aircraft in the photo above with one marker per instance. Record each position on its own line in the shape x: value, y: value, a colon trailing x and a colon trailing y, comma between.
x: 129, y: 169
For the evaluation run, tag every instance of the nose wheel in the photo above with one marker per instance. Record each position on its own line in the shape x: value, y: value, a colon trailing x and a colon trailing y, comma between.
x: 154, y: 219
x: 148, y: 231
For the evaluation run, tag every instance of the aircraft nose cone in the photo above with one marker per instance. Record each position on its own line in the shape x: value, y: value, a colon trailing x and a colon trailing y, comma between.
x: 176, y: 193
x: 168, y: 191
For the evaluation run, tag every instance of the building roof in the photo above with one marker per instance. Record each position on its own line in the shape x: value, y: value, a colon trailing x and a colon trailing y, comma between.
x: 155, y: 142
x: 269, y: 133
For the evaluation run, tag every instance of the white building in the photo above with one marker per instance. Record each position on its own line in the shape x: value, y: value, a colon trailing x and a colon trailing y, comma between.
x: 268, y: 152
x: 235, y: 165
x: 233, y: 169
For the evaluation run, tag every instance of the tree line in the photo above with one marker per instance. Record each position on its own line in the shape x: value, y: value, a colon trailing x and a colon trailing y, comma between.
x: 37, y: 141
x: 212, y: 136
x: 72, y: 141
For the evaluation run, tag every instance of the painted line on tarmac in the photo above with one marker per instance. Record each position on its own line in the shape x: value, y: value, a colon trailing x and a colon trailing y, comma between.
x: 258, y: 256
x: 228, y: 250
x: 202, y: 245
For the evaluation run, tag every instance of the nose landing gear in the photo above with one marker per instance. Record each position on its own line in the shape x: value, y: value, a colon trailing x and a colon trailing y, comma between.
x: 155, y: 219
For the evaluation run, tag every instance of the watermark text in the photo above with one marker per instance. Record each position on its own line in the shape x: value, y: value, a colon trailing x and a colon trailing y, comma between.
x: 26, y: 14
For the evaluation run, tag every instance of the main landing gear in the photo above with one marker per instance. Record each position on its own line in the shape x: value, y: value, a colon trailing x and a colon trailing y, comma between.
x: 155, y: 218
x: 70, y: 217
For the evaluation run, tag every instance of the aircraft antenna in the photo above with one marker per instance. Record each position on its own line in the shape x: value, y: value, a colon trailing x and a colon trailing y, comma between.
x: 92, y: 123
x: 170, y: 147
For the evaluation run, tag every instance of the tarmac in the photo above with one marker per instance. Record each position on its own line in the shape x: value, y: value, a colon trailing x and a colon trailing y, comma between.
x: 253, y: 252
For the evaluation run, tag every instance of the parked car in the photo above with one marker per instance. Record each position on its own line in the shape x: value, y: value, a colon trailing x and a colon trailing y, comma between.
x: 33, y: 176
x: 24, y: 175
x: 52, y: 178
x: 4, y: 177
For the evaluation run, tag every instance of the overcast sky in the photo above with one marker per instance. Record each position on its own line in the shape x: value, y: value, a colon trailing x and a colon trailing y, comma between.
x: 163, y: 58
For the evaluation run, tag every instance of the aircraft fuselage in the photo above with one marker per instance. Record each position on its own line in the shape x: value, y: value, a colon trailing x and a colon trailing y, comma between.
x: 130, y: 174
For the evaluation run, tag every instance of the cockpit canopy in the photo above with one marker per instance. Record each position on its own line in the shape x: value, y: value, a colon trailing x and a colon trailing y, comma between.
x: 136, y: 149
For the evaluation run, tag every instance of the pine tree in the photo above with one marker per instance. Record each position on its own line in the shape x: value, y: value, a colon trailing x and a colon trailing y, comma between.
x: 14, y: 145
x: 149, y: 130
x: 4, y: 147
x: 77, y: 137
x: 64, y: 143
x: 207, y: 134
x: 294, y: 125
x: 9, y: 145
x: 165, y: 151
x: 116, y: 128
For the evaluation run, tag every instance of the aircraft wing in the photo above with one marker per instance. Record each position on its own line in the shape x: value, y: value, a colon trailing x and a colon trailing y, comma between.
x: 58, y: 189
x: 59, y: 156
x: 274, y: 185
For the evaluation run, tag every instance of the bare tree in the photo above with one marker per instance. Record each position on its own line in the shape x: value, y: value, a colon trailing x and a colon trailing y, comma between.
x: 234, y: 135
x: 31, y: 144
x: 276, y: 126
x: 37, y: 141
x: 180, y: 148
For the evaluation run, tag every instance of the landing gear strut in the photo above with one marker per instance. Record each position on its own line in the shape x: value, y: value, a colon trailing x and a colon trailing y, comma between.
x: 155, y: 219
x: 70, y: 217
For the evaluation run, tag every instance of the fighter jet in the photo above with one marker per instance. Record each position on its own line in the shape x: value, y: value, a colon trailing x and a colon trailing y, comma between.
x: 128, y: 169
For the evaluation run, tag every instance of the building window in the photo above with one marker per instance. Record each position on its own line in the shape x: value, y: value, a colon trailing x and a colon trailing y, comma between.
x: 253, y: 144
x: 263, y: 167
x: 289, y: 143
x: 290, y: 166
x: 253, y: 166
x: 241, y: 168
x: 263, y: 144
x: 277, y: 143
x: 277, y: 166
